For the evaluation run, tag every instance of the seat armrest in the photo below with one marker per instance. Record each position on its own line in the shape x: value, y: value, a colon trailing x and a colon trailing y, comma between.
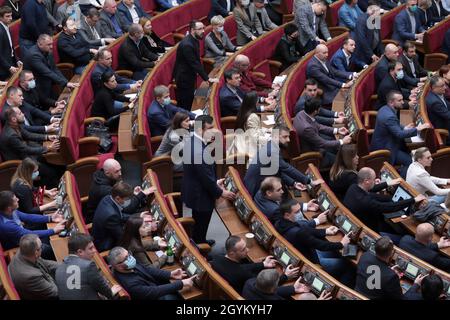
x: 171, y: 198
x: 91, y: 119
x: 259, y: 74
x: 88, y: 146
x: 125, y: 73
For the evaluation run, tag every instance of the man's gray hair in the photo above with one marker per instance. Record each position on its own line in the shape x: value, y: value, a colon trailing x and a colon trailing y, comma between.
x: 113, y: 256
x: 134, y: 28
x: 28, y: 244
x: 267, y: 281
x: 160, y: 90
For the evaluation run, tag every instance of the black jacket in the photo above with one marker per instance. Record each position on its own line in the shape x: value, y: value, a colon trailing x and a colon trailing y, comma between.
x: 342, y: 183
x: 250, y: 292
x: 387, y: 85
x: 32, y: 115
x: 25, y: 195
x: 74, y: 49
x: 134, y: 59
x: 419, y: 71
x: 187, y: 64
x: 306, y: 239
x: 429, y: 253
x: 6, y: 59
x: 389, y: 285
x: 101, y: 186
x: 104, y: 103
x: 288, y: 52
x: 36, y: 99
x: 17, y: 145
x: 369, y: 206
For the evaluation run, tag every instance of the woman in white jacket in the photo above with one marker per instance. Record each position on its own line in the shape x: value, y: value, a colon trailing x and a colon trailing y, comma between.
x: 422, y: 181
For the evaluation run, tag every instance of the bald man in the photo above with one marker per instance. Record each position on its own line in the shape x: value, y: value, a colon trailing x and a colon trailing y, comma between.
x: 321, y: 70
x: 102, y: 183
x: 423, y: 247
x: 112, y: 24
x: 363, y: 201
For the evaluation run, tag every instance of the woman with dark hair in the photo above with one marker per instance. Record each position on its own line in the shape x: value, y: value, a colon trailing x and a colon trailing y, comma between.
x: 151, y: 40
x: 249, y: 121
x: 104, y: 100
x: 444, y: 72
x: 343, y: 172
x: 175, y: 135
x: 288, y: 50
x: 137, y: 228
x: 22, y: 186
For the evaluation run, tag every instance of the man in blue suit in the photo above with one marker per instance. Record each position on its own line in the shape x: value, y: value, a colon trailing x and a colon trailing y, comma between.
x: 328, y: 77
x: 438, y: 107
x: 163, y: 5
x: 390, y: 135
x: 222, y: 8
x: 423, y: 247
x: 200, y: 187
x: 407, y: 24
x: 269, y: 162
x: 131, y: 11
x: 345, y: 61
x: 161, y: 111
x: 369, y: 47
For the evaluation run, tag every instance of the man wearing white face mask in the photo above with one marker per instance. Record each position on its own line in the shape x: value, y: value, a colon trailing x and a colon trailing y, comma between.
x: 161, y: 111
x: 109, y: 218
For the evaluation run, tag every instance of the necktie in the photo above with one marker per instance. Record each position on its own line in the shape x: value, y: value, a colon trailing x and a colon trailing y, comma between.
x: 413, y: 70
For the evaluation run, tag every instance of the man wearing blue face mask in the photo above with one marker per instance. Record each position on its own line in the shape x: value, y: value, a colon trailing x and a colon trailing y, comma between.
x: 147, y: 283
x: 161, y: 111
x: 109, y: 218
x: 407, y: 24
x: 134, y: 53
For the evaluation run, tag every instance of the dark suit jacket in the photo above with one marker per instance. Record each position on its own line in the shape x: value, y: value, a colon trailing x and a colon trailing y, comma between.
x: 74, y: 49
x: 325, y: 116
x: 429, y: 253
x: 306, y: 238
x: 31, y: 115
x: 6, y: 60
x: 446, y: 45
x: 107, y: 27
x: 438, y: 112
x: 36, y: 99
x: 107, y: 226
x: 187, y: 64
x: 229, y: 102
x: 424, y: 17
x: 148, y: 283
x: 412, y: 79
x: 370, y: 206
x: 200, y: 189
x: 88, y: 36
x: 403, y: 29
x: 19, y: 145
x: 219, y: 7
x: 309, y: 132
x: 284, y: 170
x: 288, y: 52
x: 340, y: 62
x: 159, y: 118
x: 389, y: 288
x: 328, y: 81
x: 34, y: 21
x: 364, y: 37
x: 126, y: 15
x: 434, y: 14
x: 381, y: 70
x: 388, y: 133
x: 136, y: 59
x: 44, y: 70
x: 270, y: 208
x: 103, y: 105
x: 388, y: 84
x: 250, y: 292
x: 96, y: 79
x: 91, y: 283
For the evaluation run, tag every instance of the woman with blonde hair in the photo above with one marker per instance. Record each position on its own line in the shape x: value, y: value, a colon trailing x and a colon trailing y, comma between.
x: 152, y: 41
x: 217, y: 43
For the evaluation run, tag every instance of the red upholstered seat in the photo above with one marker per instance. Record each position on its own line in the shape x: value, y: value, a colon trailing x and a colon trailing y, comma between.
x: 14, y: 31
x: 366, y: 87
x: 230, y: 28
x: 148, y: 6
x: 434, y: 37
x: 287, y: 6
x: 387, y: 22
x: 333, y: 12
x: 115, y: 52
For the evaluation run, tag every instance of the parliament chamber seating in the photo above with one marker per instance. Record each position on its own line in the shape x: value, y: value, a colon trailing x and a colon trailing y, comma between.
x: 7, y: 290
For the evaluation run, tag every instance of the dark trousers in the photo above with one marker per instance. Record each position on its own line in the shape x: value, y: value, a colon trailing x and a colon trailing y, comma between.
x: 202, y: 219
x: 404, y: 159
x: 185, y: 97
x: 309, y: 46
x: 274, y: 16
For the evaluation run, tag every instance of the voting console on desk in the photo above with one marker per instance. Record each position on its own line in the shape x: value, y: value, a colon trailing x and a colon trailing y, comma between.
x: 172, y: 240
x: 193, y: 267
x: 284, y: 256
x: 157, y: 213
x: 367, y: 243
x: 409, y: 268
x: 324, y: 202
x: 242, y: 209
x: 262, y: 234
x: 346, y: 225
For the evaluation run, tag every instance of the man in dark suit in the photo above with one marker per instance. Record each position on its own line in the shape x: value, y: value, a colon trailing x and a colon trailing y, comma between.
x: 73, y: 48
x: 80, y: 258
x: 34, y: 22
x: 9, y: 63
x: 223, y: 8
x: 390, y: 135
x: 109, y: 218
x: 320, y: 69
x: 39, y: 59
x: 368, y: 206
x: 268, y: 198
x: 370, y: 266
x: 147, y: 283
x: 325, y: 116
x: 161, y: 111
x: 265, y: 285
x: 407, y: 24
x: 288, y: 50
x: 111, y: 23
x: 391, y: 53
x: 269, y: 162
x: 425, y: 249
x: 413, y: 70
x: 188, y: 65
x: 345, y: 61
x: 310, y: 133
x: 200, y: 187
x: 369, y: 47
x: 233, y: 268
x: 312, y: 242
x: 393, y: 81
x: 131, y: 11
x: 134, y: 55
x: 90, y: 29
x: 438, y: 107
x: 437, y: 11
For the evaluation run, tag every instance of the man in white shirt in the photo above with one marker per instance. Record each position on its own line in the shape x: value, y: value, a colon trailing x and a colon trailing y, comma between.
x: 91, y: 31
x: 9, y: 63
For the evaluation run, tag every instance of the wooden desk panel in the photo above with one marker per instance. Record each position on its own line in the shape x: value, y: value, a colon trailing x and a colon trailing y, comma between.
x: 125, y: 137
x: 227, y: 214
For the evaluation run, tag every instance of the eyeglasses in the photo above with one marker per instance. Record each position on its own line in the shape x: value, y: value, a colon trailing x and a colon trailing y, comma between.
x: 126, y: 258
